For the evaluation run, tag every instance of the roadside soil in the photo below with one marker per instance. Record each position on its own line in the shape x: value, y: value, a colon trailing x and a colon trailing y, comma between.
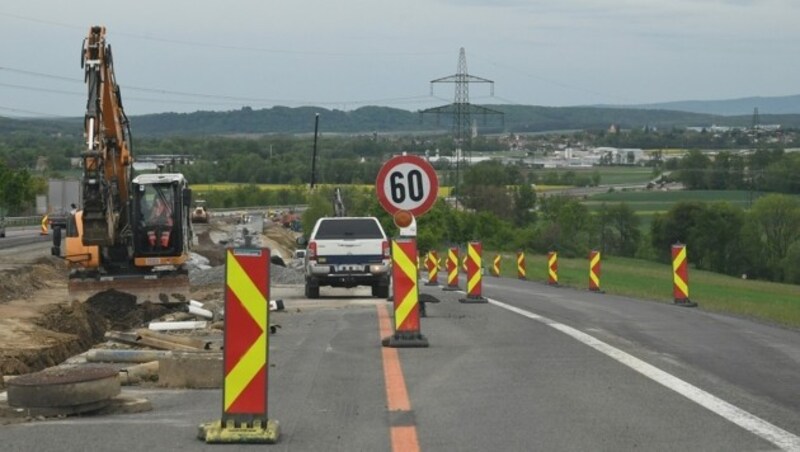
x: 41, y: 327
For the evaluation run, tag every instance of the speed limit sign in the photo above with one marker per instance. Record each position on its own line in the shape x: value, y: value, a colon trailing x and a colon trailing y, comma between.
x: 407, y: 182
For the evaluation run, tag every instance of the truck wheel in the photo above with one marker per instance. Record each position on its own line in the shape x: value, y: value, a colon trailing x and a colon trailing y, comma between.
x: 312, y: 291
x: 379, y: 291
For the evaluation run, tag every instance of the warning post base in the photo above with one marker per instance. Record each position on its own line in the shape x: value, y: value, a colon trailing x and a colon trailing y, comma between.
x: 451, y: 288
x: 685, y: 303
x: 405, y: 340
x: 469, y: 299
x: 259, y: 432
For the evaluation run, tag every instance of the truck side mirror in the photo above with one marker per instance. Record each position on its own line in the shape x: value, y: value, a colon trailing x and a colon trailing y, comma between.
x: 187, y: 197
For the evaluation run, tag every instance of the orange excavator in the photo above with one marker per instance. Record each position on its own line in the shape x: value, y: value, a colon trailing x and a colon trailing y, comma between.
x: 133, y: 234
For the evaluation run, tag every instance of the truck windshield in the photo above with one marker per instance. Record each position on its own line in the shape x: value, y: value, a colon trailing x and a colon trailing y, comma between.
x: 356, y: 228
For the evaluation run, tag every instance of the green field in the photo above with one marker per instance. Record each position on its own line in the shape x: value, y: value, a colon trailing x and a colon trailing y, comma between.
x: 648, y: 203
x: 608, y: 174
x: 771, y: 302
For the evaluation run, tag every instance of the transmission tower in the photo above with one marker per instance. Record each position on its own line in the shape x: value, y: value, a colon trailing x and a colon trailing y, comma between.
x: 756, y: 126
x: 461, y: 110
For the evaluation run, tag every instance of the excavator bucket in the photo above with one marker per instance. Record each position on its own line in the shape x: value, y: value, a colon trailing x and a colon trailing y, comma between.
x: 150, y: 288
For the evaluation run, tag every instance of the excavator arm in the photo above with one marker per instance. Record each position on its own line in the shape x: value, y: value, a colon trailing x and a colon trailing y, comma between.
x: 107, y: 159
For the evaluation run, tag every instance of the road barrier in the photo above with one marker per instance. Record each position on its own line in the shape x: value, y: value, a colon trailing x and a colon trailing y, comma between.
x: 23, y: 221
x: 246, y: 352
x: 680, y: 276
x: 552, y: 268
x: 433, y: 268
x: 474, y: 267
x: 521, y: 270
x: 405, y: 296
x: 43, y: 226
x: 452, y: 270
x: 464, y: 263
x: 496, y: 265
x: 594, y: 271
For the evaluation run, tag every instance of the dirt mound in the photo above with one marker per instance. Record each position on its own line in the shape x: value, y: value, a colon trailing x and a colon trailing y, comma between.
x: 280, y: 240
x: 23, y: 282
x: 213, y: 252
x: 66, y: 329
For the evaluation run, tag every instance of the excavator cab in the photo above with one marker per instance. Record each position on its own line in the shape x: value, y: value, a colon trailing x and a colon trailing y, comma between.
x: 161, y: 227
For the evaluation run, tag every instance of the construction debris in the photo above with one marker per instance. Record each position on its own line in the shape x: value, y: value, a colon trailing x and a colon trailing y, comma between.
x: 175, y: 345
x: 181, y: 325
x: 158, y: 341
x: 139, y: 372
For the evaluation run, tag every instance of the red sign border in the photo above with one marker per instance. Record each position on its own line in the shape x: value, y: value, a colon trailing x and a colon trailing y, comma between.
x: 416, y: 160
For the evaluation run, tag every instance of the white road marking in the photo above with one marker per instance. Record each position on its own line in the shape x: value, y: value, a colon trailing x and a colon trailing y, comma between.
x: 750, y: 422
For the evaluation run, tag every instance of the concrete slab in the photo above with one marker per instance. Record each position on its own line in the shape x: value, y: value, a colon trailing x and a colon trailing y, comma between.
x: 191, y: 370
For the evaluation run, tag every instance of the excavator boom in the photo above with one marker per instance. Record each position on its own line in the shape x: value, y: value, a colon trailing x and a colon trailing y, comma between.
x: 107, y: 157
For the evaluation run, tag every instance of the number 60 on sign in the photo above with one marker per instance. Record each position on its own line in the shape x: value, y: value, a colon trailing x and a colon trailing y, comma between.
x: 407, y: 183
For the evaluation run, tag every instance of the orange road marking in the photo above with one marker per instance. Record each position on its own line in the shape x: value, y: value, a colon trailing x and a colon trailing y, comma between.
x: 404, y: 437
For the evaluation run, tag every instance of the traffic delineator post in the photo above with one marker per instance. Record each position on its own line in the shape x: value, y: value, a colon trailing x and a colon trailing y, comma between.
x: 496, y: 265
x: 43, y: 230
x: 246, y: 352
x: 433, y: 269
x: 552, y: 268
x: 680, y: 276
x: 594, y: 271
x: 521, y: 270
x: 452, y: 270
x: 464, y: 263
x: 406, y: 296
x: 474, y: 275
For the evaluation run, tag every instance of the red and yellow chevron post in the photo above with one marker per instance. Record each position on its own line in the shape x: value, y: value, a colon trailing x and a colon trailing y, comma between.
x: 452, y: 270
x: 680, y: 276
x: 496, y: 265
x: 594, y: 271
x: 521, y: 270
x: 464, y: 264
x: 433, y: 269
x: 246, y: 352
x: 405, y: 296
x: 552, y: 268
x: 474, y: 266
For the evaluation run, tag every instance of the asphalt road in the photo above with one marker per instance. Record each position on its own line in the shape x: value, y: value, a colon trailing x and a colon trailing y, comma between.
x: 538, y: 368
x: 21, y: 246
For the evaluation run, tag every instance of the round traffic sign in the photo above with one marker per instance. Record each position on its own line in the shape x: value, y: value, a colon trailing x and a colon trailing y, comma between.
x: 407, y: 182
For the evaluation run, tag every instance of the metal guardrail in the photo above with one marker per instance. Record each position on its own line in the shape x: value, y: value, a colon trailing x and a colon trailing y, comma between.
x: 23, y: 221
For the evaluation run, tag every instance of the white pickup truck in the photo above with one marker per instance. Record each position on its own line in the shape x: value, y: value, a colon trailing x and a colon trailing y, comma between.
x: 347, y: 252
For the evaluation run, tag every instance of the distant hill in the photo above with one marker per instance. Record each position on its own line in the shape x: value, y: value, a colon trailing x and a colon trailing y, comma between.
x: 517, y: 118
x: 778, y: 105
x: 367, y: 120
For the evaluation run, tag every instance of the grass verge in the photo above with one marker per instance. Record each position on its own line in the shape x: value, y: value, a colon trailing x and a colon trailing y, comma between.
x: 767, y: 301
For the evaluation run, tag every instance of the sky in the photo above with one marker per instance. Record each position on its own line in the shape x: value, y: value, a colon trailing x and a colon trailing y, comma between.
x: 189, y: 55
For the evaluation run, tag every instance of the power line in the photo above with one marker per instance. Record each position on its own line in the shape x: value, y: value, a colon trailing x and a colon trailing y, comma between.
x: 149, y: 37
x: 551, y: 81
x: 35, y: 113
x: 266, y: 101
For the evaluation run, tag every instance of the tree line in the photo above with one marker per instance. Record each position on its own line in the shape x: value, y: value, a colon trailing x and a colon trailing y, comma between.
x: 770, y: 170
x: 18, y: 189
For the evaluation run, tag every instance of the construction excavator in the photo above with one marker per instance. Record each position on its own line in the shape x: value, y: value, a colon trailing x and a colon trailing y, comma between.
x: 133, y: 234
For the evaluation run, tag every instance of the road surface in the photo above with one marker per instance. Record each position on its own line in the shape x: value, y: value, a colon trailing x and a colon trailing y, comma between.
x: 537, y: 368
